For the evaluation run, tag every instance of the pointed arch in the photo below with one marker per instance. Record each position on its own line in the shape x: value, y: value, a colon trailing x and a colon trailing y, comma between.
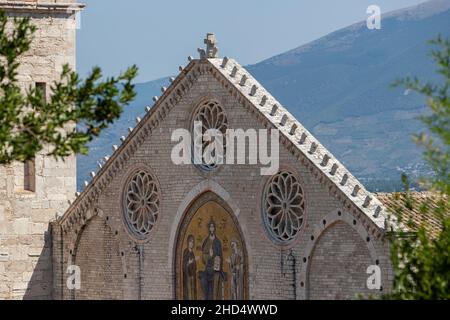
x: 327, y: 224
x: 208, y: 213
x: 100, y: 269
x: 203, y: 187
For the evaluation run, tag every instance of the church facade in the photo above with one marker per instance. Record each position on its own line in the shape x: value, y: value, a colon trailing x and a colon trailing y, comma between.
x: 147, y: 227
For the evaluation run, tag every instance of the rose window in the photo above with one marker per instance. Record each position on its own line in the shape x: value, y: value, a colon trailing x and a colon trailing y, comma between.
x: 283, y: 207
x: 209, y: 117
x: 141, y: 204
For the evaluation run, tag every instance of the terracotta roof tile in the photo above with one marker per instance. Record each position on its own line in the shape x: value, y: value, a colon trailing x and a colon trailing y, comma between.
x: 418, y: 209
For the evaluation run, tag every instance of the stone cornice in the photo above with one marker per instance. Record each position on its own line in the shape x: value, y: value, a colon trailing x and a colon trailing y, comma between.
x: 41, y: 7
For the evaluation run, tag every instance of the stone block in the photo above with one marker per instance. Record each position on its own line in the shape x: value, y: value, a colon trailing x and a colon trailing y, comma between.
x: 39, y: 228
x: 26, y: 276
x: 35, y: 252
x: 19, y: 253
x: 4, y: 256
x: 20, y: 286
x: 21, y: 226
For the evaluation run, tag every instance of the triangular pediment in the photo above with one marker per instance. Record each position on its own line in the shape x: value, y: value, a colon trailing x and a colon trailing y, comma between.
x: 240, y: 83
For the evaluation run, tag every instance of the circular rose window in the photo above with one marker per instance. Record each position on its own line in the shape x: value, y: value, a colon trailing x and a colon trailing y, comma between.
x: 283, y: 207
x: 209, y: 118
x: 141, y: 204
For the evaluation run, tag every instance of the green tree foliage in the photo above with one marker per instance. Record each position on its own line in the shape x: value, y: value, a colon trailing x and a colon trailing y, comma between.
x: 29, y: 122
x: 421, y: 260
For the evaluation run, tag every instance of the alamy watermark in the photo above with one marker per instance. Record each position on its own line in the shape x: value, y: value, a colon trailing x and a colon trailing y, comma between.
x: 74, y: 279
x: 236, y: 146
x: 374, y: 279
x: 374, y: 20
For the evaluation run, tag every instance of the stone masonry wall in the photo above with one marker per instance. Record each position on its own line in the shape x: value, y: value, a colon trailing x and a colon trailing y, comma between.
x: 148, y: 267
x: 339, y: 264
x: 101, y: 263
x: 25, y: 241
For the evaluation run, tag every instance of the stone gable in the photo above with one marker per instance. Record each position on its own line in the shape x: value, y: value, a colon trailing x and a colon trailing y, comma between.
x: 274, y: 271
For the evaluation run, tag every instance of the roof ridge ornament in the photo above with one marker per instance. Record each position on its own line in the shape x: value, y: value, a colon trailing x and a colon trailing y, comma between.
x: 211, y: 47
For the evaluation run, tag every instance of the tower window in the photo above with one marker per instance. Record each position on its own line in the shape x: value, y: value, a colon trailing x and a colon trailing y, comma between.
x: 29, y: 176
x: 42, y: 88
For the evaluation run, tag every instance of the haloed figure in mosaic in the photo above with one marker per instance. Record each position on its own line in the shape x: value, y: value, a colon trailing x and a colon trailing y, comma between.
x: 213, y: 277
x: 190, y: 271
x: 236, y: 264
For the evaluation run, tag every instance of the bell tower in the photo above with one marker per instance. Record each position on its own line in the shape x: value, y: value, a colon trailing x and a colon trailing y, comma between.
x: 33, y: 193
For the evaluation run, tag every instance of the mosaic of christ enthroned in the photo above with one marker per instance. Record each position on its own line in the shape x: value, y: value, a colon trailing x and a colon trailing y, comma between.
x: 211, y: 256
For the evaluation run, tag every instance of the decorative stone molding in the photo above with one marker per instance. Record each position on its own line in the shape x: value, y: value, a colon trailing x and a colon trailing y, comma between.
x: 41, y: 7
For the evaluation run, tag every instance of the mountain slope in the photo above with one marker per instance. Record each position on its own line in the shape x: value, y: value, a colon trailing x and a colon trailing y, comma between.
x: 339, y: 87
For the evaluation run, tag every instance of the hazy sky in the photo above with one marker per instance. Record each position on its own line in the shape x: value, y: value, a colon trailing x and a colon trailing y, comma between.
x: 158, y: 36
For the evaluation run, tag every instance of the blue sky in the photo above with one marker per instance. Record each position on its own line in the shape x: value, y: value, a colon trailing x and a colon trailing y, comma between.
x: 159, y: 35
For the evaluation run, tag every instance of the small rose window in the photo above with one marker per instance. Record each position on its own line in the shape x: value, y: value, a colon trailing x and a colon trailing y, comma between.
x: 141, y: 204
x: 283, y: 207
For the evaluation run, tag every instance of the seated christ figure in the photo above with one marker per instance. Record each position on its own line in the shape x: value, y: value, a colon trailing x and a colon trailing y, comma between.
x: 212, y: 278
